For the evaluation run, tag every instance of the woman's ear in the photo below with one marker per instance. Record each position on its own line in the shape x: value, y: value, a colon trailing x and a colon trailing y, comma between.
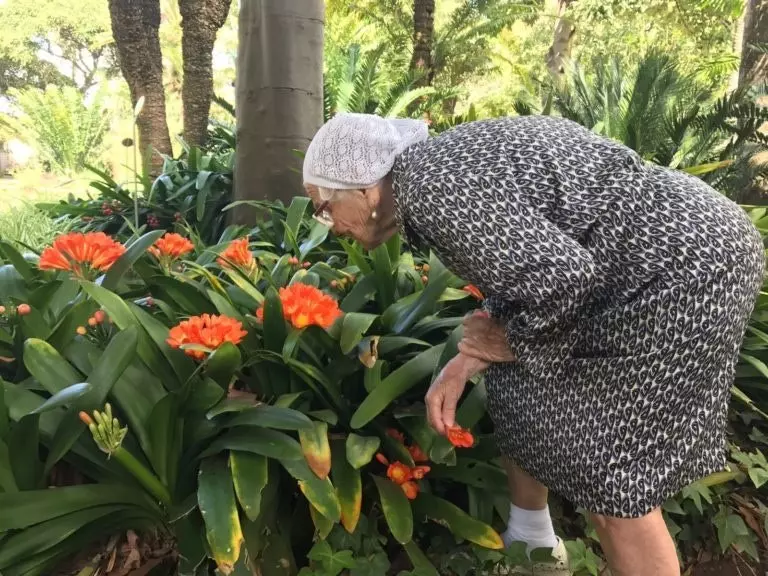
x: 373, y: 197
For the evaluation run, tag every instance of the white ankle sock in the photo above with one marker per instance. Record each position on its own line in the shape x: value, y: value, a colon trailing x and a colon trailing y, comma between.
x: 534, y: 527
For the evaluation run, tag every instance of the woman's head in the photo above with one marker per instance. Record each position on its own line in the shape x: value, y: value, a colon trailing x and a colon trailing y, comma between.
x: 346, y: 173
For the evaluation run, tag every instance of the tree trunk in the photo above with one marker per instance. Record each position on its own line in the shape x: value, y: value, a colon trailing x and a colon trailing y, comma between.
x: 200, y: 22
x: 279, y: 96
x: 754, y: 59
x: 135, y: 25
x: 560, y: 51
x: 423, y: 35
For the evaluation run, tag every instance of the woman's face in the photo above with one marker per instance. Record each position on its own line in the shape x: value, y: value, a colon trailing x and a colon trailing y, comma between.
x: 348, y: 212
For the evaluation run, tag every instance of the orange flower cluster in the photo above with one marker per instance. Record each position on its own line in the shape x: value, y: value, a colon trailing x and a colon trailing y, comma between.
x: 171, y: 246
x: 414, y: 450
x: 98, y: 318
x: 207, y: 331
x: 21, y: 309
x: 81, y: 253
x: 305, y: 305
x: 404, y: 475
x: 237, y: 254
x: 474, y: 291
x: 460, y: 437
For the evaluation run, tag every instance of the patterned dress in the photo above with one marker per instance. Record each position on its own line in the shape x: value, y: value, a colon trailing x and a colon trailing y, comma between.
x: 625, y: 289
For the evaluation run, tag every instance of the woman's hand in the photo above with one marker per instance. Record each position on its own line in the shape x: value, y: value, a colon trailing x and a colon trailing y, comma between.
x: 484, y: 338
x: 444, y: 394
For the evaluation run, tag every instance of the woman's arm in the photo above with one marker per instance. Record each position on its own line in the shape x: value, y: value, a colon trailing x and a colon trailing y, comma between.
x: 542, y: 276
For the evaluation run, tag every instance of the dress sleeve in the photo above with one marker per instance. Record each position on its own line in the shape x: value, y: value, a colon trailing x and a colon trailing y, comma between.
x: 537, y: 278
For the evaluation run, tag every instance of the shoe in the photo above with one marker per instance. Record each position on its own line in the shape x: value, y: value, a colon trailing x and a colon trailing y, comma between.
x: 558, y: 566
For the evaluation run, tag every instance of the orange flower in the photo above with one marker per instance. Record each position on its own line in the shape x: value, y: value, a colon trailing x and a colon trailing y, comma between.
x: 237, y: 253
x: 99, y: 316
x: 171, y: 246
x: 23, y: 309
x: 418, y: 454
x: 411, y: 490
x: 81, y: 330
x: 207, y: 331
x: 305, y: 305
x: 420, y: 471
x: 460, y: 437
x: 399, y: 473
x: 383, y: 459
x: 396, y: 434
x: 81, y: 253
x: 474, y: 291
x: 92, y: 322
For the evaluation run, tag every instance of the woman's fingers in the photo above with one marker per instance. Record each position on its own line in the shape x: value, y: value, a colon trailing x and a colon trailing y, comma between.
x: 444, y: 394
x: 434, y: 402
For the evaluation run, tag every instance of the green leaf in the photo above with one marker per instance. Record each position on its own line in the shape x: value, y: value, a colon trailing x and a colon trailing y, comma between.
x: 396, y: 508
x: 382, y: 270
x: 729, y: 528
x: 361, y: 293
x: 7, y: 479
x: 5, y: 421
x: 419, y: 559
x: 405, y: 314
x: 23, y: 452
x: 23, y: 545
x: 27, y: 508
x: 321, y: 493
x: 332, y: 563
x: 265, y: 442
x: 222, y: 365
x: 268, y: 416
x: 48, y: 367
x: 458, y: 521
x: 293, y: 219
x: 360, y: 450
x: 354, y: 325
x: 216, y: 498
x: 394, y: 385
x: 759, y: 476
x: 317, y: 235
x: 316, y: 448
x: 17, y: 261
x: 120, y: 313
x: 165, y: 432
x: 135, y: 251
x: 64, y: 397
x: 356, y: 256
x: 349, y: 486
x: 275, y: 330
x: 323, y: 526
x: 250, y: 476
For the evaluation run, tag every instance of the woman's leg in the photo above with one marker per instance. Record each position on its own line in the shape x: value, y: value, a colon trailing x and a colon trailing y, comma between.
x: 529, y: 519
x: 524, y: 490
x: 637, y: 546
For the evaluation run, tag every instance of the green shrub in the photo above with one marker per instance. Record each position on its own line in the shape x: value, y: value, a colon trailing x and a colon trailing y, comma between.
x: 66, y: 131
x: 28, y: 227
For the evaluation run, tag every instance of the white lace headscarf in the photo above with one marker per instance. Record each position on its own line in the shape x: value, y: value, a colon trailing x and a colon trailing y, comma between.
x: 355, y: 151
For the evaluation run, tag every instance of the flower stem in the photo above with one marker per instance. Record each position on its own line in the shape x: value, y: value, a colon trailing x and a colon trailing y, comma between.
x: 144, y: 476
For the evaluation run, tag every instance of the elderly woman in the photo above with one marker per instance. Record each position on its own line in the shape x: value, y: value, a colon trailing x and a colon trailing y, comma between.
x: 618, y: 294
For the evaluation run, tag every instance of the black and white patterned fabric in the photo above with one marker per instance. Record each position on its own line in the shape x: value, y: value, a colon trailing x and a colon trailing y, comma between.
x: 625, y: 289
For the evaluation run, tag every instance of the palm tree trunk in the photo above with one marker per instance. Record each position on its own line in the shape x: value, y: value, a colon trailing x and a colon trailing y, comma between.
x: 754, y: 59
x: 562, y: 40
x: 200, y: 22
x: 423, y: 35
x: 135, y: 25
x: 279, y: 96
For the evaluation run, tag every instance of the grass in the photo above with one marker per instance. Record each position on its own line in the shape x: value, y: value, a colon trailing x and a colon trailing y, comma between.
x: 21, y: 222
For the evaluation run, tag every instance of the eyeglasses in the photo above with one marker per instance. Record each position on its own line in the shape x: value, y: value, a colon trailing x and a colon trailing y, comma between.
x: 323, y: 215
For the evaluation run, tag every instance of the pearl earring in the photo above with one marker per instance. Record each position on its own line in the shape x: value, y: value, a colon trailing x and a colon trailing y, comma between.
x: 374, y: 215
